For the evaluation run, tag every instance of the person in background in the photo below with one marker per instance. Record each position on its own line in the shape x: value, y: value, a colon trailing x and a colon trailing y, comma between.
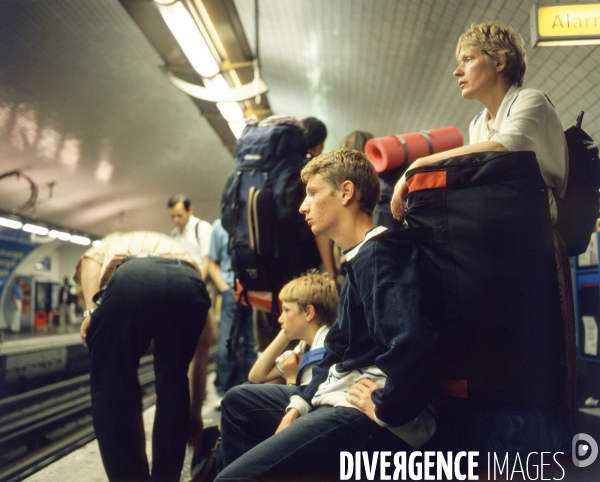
x: 64, y: 304
x: 315, y: 133
x: 17, y: 299
x: 156, y: 293
x: 193, y: 234
x: 356, y: 140
x: 231, y: 371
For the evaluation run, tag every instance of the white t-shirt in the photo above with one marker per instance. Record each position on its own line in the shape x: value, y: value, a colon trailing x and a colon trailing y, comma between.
x: 526, y: 121
x: 195, y: 240
x: 300, y: 349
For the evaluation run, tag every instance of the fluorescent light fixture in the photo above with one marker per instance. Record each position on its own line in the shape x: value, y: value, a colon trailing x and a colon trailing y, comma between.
x: 32, y: 228
x: 216, y: 83
x: 97, y: 243
x: 80, y: 240
x: 186, y: 32
x: 237, y: 128
x: 10, y: 223
x: 234, y: 94
x: 63, y: 236
x: 565, y: 25
x: 231, y: 111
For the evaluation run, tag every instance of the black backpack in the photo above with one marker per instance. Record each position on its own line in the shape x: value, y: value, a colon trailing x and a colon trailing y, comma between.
x: 269, y: 242
x: 578, y: 210
x: 492, y: 251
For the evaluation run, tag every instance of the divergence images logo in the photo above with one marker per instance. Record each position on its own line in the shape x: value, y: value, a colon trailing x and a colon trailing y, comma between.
x: 585, y: 450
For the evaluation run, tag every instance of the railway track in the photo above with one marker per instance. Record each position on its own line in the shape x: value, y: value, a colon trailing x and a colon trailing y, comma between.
x: 42, y: 425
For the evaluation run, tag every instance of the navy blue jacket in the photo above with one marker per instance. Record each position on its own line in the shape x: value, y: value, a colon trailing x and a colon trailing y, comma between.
x: 387, y: 317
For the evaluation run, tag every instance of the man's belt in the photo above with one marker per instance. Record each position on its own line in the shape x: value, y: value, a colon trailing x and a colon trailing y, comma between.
x: 161, y: 258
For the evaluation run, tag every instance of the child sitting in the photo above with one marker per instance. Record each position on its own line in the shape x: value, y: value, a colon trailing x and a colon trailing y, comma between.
x: 309, y: 307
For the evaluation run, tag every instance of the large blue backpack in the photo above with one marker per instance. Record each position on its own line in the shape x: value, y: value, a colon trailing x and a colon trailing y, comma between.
x: 269, y: 242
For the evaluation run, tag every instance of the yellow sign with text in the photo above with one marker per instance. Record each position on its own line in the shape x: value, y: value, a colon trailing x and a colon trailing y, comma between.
x: 568, y: 20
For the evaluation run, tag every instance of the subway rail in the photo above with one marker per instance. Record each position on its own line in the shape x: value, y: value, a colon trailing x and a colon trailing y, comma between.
x: 41, y: 425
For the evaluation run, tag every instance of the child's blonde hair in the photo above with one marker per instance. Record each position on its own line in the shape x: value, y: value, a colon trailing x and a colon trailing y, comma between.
x: 313, y: 288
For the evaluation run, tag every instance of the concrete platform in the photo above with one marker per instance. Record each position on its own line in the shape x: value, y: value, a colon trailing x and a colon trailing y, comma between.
x: 29, y: 341
x: 86, y: 464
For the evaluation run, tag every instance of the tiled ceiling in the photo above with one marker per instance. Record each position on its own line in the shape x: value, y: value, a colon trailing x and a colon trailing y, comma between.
x: 84, y: 104
x: 385, y: 66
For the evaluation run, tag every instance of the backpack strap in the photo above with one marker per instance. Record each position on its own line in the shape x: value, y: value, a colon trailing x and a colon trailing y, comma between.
x: 311, y: 356
x: 477, y: 118
x: 234, y: 331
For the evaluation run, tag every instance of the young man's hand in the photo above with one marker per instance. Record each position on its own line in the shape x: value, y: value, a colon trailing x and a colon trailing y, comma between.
x: 397, y: 202
x: 359, y: 395
x: 287, y: 419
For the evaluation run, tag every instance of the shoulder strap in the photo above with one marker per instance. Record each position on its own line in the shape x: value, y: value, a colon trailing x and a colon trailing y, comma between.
x: 311, y: 356
x: 477, y: 118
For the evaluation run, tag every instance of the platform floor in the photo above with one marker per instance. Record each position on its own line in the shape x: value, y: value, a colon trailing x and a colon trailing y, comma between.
x: 85, y: 463
x: 27, y: 341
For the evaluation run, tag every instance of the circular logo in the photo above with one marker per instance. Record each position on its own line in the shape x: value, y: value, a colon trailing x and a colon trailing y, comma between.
x: 585, y: 450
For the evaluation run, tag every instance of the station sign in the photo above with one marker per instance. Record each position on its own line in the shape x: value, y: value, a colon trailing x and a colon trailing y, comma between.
x: 556, y: 25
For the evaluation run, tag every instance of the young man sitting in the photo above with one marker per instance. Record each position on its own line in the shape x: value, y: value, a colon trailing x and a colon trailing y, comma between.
x: 372, y: 388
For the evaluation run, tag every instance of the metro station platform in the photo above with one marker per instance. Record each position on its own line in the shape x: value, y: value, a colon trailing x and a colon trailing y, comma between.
x: 28, y: 341
x: 85, y: 463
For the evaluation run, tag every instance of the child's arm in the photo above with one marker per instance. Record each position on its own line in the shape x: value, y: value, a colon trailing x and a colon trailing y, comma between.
x: 264, y: 369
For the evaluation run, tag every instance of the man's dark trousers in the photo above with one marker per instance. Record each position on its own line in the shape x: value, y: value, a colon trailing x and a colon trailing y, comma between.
x: 147, y: 298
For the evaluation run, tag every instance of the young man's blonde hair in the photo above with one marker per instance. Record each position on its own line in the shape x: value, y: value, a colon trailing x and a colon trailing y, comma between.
x: 313, y: 288
x: 347, y: 165
x: 496, y: 40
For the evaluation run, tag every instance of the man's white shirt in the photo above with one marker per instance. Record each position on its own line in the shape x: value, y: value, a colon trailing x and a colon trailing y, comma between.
x: 195, y: 238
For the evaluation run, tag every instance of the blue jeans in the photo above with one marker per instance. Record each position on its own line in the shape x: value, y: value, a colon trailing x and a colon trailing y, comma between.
x: 309, y: 449
x: 235, y: 371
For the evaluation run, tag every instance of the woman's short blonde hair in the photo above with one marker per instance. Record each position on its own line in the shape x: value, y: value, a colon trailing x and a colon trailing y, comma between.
x: 496, y: 40
x: 316, y: 289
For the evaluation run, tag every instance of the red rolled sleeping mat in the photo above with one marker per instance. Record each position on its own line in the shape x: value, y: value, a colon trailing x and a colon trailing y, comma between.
x: 390, y: 152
